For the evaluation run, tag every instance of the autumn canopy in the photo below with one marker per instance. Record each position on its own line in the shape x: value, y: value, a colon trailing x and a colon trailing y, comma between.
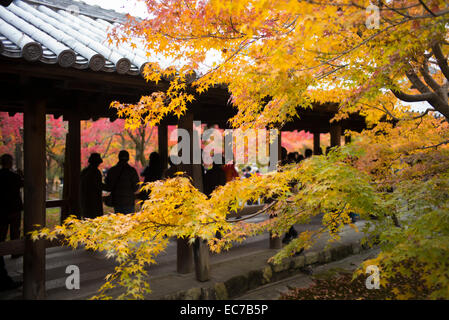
x: 275, y: 56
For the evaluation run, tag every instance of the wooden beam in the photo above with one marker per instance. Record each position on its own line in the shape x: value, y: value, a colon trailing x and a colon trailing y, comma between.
x: 201, y: 258
x: 72, y: 166
x: 347, y: 139
x: 185, y: 261
x: 55, y: 203
x: 276, y: 242
x: 195, y: 171
x: 34, y: 196
x: 184, y: 256
x: 65, y: 210
x: 335, y: 131
x: 18, y: 246
x: 74, y: 146
x: 317, y: 143
x: 12, y: 247
x: 35, y: 70
x: 162, y: 137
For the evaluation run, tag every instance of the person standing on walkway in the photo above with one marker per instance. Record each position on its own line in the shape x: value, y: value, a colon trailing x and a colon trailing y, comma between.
x: 11, y: 206
x: 122, y: 181
x: 151, y: 173
x: 213, y: 178
x: 91, y: 188
x: 173, y: 168
x: 294, y: 157
x: 230, y: 172
x: 308, y: 153
x: 11, y: 203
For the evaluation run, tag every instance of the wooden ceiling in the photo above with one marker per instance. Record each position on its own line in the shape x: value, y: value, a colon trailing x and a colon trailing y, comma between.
x: 89, y: 94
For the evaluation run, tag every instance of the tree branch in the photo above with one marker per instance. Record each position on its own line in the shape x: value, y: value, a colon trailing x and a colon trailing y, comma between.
x: 435, y: 145
x: 427, y: 8
x: 441, y: 59
x: 254, y: 214
x: 416, y: 81
x: 413, y: 97
x: 424, y: 70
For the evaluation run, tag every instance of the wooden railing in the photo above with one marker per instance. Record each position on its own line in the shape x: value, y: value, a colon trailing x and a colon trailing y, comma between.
x: 55, y: 203
x: 18, y: 246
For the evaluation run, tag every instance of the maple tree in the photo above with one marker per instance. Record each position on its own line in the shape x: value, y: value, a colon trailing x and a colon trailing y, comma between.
x: 108, y: 138
x: 275, y: 56
x: 299, y: 141
x: 331, y: 54
x: 10, y: 133
x: 102, y: 136
x: 12, y: 142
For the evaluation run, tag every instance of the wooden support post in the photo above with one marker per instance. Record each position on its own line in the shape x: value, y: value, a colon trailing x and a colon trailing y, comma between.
x: 72, y: 167
x: 19, y: 152
x: 317, y: 143
x: 194, y: 170
x: 347, y: 139
x: 34, y: 196
x: 184, y: 256
x: 335, y: 132
x: 201, y: 258
x: 162, y: 136
x: 75, y: 163
x: 65, y: 210
x: 276, y: 242
x: 185, y: 252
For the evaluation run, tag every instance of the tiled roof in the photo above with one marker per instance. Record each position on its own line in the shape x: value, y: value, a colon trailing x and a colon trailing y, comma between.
x: 68, y: 33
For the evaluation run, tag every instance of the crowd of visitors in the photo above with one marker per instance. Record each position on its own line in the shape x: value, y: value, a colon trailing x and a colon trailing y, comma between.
x: 122, y: 183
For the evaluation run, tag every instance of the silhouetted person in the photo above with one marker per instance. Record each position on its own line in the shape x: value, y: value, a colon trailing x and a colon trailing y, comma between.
x: 170, y: 172
x: 91, y: 188
x: 230, y: 172
x: 213, y: 178
x: 291, y: 158
x: 297, y: 157
x: 122, y: 181
x: 284, y: 156
x: 152, y: 172
x: 11, y: 203
x: 10, y: 213
x: 248, y: 172
x: 308, y: 153
x: 291, y: 234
